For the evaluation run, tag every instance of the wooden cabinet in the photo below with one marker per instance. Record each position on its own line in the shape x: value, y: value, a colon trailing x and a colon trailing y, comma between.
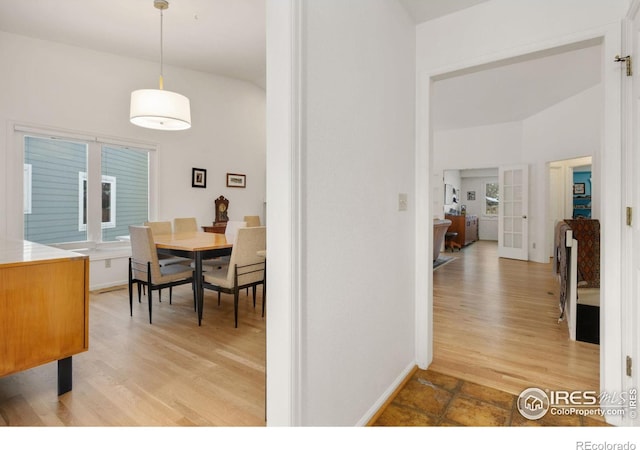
x: 215, y: 228
x: 466, y: 227
x: 44, y: 308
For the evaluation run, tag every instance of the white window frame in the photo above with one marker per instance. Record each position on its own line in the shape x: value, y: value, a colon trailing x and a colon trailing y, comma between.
x: 82, y: 177
x: 27, y: 188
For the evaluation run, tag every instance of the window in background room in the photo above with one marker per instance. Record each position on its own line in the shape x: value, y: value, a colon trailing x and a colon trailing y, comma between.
x: 491, y: 197
x: 77, y: 191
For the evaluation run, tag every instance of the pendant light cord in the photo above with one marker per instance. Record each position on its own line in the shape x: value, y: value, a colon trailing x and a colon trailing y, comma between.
x: 161, y: 52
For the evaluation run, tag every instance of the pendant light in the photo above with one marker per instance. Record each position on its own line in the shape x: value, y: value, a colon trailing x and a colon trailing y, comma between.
x: 156, y: 108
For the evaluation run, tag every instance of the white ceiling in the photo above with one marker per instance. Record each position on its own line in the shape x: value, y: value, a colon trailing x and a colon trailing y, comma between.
x: 515, y: 89
x: 228, y: 37
x: 423, y: 10
x: 220, y: 36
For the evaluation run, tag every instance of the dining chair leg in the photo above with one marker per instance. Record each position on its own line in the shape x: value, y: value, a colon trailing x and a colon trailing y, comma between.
x: 235, y: 306
x: 149, y: 295
x: 193, y: 288
x: 264, y: 287
x: 170, y: 293
x: 139, y: 292
x: 254, y: 296
x: 130, y: 290
x: 218, y: 298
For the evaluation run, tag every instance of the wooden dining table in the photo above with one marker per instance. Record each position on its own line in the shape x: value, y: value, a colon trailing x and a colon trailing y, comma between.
x: 198, y: 246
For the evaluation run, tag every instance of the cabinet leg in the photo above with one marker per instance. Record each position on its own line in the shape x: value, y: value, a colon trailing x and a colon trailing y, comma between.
x: 65, y: 375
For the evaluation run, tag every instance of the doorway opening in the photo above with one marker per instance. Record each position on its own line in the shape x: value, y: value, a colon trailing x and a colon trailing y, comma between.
x: 480, y: 118
x: 572, y: 193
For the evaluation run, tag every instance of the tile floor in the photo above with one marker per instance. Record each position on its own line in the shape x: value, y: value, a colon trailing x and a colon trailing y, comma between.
x: 433, y: 399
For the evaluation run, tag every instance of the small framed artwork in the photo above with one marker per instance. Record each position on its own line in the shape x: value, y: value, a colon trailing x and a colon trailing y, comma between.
x: 236, y: 180
x: 471, y: 195
x: 198, y: 178
x: 578, y: 189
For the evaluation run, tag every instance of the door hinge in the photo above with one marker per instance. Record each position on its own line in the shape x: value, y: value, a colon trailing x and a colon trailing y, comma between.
x: 627, y: 60
x: 629, y: 366
x: 629, y: 216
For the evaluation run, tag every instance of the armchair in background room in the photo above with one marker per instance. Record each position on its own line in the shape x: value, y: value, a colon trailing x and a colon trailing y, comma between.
x: 440, y: 227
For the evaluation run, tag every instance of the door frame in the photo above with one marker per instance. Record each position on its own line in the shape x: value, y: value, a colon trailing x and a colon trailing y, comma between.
x: 631, y: 198
x: 609, y: 159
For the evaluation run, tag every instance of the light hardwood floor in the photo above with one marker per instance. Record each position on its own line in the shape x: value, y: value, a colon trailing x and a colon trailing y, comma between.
x: 496, y: 324
x: 170, y: 373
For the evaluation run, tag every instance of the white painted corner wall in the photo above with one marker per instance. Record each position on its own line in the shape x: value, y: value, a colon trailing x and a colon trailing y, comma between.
x: 357, y: 249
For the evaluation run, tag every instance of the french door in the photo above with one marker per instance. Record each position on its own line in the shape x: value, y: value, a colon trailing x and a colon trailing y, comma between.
x: 513, y: 226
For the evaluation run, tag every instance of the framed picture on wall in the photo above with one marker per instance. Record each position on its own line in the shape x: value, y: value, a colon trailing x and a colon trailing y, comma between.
x: 236, y: 180
x: 198, y: 178
x: 471, y: 195
x: 578, y: 188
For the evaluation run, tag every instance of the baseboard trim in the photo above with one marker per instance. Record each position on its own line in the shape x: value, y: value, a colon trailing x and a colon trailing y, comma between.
x: 386, y: 399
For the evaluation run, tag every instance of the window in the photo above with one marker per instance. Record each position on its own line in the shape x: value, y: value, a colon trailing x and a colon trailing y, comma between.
x: 492, y: 200
x: 83, y: 190
x: 108, y: 201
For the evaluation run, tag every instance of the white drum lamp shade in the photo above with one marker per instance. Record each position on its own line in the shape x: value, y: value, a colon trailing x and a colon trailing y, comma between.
x: 160, y: 110
x: 156, y: 108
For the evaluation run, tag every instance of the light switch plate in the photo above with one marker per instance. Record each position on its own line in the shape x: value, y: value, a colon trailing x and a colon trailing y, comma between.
x: 402, y: 202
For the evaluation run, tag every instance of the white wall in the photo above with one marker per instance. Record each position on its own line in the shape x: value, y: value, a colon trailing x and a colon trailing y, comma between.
x: 478, y: 147
x: 357, y: 321
x: 45, y: 84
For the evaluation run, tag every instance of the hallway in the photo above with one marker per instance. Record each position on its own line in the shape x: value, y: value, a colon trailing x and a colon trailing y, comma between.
x: 496, y: 333
x: 496, y: 324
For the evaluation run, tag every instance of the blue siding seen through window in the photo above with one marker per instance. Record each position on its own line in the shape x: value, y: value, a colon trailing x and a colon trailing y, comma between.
x: 58, y: 188
x: 130, y: 168
x: 54, y: 192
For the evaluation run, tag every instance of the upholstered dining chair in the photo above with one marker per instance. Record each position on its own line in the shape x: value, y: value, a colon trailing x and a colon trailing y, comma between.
x: 182, y: 224
x: 232, y: 229
x: 252, y: 221
x: 245, y: 269
x: 164, y: 227
x: 230, y: 234
x: 145, y: 269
